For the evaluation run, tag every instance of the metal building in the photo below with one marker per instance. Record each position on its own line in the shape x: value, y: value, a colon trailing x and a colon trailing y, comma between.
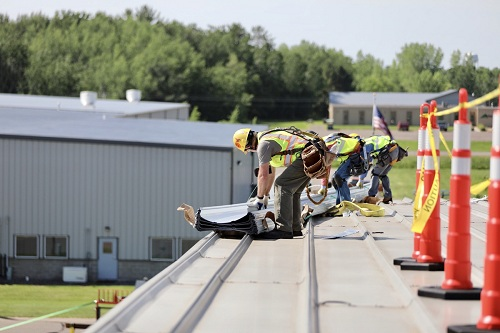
x: 99, y: 193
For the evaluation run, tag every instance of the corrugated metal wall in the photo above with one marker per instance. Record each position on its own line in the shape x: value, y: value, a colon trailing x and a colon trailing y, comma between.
x: 78, y: 188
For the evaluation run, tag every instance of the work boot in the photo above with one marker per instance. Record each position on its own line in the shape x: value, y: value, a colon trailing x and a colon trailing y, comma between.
x: 275, y: 234
x: 387, y: 200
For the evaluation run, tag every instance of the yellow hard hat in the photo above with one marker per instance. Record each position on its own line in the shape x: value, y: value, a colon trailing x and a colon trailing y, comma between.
x: 240, y: 138
x: 355, y: 135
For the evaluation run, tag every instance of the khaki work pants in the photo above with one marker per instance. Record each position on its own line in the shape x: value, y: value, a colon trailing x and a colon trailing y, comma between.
x: 287, y: 190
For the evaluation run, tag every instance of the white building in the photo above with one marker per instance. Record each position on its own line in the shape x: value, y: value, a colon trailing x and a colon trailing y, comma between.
x: 85, y: 188
x: 355, y: 108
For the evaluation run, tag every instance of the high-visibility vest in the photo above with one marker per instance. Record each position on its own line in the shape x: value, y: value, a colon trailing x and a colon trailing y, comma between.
x: 378, y: 142
x: 346, y: 146
x: 291, y: 147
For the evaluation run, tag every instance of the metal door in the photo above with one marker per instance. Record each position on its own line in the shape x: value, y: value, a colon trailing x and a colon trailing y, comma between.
x: 107, y: 263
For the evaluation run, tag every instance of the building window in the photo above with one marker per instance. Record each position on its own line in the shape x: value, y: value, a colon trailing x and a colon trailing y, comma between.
x: 345, y: 118
x: 26, y: 246
x: 393, y: 118
x: 409, y: 117
x: 187, y: 244
x: 362, y: 117
x: 56, y: 247
x: 162, y: 248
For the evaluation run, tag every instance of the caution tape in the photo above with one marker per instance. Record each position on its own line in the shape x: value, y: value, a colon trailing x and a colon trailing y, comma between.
x: 478, y: 188
x: 422, y: 211
x: 45, y: 316
x: 366, y: 209
x: 474, y: 189
x: 467, y: 105
x: 419, y: 193
x: 441, y: 136
x: 421, y: 216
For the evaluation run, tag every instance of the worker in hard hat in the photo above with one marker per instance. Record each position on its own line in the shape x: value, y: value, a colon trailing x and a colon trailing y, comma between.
x: 278, y: 148
x: 387, y: 152
x: 348, y: 150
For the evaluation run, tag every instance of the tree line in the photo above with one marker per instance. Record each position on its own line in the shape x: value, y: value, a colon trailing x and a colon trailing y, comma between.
x: 225, y: 73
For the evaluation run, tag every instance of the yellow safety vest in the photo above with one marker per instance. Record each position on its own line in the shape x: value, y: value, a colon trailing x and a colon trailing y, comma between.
x: 289, y: 143
x: 346, y: 146
x: 378, y: 142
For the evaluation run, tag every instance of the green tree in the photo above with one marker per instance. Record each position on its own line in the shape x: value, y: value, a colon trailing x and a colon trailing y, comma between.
x: 265, y: 70
x: 415, y: 59
x: 53, y: 67
x: 370, y: 75
x: 227, y: 88
x: 13, y: 57
x: 195, y: 114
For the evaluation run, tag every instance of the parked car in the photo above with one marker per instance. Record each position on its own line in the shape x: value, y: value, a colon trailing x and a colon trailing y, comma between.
x: 403, y: 126
x: 443, y: 125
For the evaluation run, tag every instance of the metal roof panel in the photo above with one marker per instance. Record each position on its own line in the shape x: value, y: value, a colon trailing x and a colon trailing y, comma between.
x: 102, y: 127
x: 383, y: 98
x: 61, y: 103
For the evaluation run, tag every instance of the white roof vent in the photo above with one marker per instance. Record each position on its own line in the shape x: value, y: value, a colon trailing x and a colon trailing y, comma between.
x: 88, y: 98
x: 133, y: 95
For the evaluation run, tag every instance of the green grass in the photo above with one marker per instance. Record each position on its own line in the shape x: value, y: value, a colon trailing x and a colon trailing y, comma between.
x: 39, y: 300
x: 403, y: 181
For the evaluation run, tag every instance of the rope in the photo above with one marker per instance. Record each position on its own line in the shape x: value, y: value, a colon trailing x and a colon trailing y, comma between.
x: 45, y: 316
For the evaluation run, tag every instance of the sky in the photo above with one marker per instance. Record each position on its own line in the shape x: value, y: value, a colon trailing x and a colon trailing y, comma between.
x: 377, y: 27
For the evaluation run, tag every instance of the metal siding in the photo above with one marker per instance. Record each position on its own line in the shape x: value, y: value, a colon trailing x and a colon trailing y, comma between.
x: 244, y: 179
x: 76, y: 189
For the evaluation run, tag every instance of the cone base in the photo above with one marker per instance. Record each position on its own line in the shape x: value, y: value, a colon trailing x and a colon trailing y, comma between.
x: 473, y: 294
x: 398, y: 261
x: 468, y: 329
x: 422, y: 266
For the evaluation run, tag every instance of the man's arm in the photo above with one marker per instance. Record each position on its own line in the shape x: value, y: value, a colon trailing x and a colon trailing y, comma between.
x: 265, y: 180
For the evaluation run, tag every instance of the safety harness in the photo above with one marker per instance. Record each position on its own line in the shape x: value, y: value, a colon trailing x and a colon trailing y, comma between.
x: 315, y: 155
x: 383, y: 154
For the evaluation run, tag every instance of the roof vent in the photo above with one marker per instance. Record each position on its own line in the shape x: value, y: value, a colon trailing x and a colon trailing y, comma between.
x: 133, y: 95
x: 88, y: 98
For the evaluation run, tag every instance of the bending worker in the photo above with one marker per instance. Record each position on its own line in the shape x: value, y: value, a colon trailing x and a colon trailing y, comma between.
x: 349, y: 151
x: 387, y: 153
x: 278, y: 148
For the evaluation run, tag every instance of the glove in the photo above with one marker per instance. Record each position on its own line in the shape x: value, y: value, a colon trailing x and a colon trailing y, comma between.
x: 359, y: 184
x: 256, y: 204
x: 322, y: 190
x: 266, y: 200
